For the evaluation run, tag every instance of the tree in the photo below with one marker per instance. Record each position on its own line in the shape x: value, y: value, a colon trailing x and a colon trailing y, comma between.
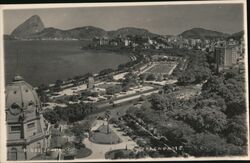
x: 51, y: 116
x: 210, y: 118
x: 197, y: 70
x: 236, y: 130
x: 177, y: 132
x: 79, y: 130
x: 58, y: 83
x: 142, y: 77
x: 168, y: 88
x: 206, y: 144
x: 213, y: 100
x: 186, y: 78
x: 160, y: 102
x: 154, y: 154
x: 141, y: 154
x: 205, y: 118
x: 230, y: 74
x: 71, y: 113
x: 143, y: 98
x: 231, y: 90
x: 119, y: 154
x: 151, y: 77
x: 111, y: 90
x: 106, y: 71
x: 129, y: 81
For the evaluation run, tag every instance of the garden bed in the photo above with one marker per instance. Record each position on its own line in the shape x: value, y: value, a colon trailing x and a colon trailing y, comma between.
x: 100, y: 136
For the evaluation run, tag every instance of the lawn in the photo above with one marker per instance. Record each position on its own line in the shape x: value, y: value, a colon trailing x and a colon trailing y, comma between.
x: 163, y: 68
x: 119, y: 154
x: 100, y: 136
x: 83, y: 152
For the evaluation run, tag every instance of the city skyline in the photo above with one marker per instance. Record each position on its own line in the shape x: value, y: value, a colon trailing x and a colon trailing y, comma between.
x: 164, y: 20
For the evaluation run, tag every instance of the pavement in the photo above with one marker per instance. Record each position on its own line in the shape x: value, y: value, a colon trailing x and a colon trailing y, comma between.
x: 126, y: 99
x: 99, y: 150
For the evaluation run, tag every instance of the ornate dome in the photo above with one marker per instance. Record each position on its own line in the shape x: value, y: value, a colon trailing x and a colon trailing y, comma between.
x: 21, y: 94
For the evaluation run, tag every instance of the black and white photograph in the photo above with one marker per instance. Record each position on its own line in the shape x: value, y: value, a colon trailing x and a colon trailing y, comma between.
x: 124, y: 81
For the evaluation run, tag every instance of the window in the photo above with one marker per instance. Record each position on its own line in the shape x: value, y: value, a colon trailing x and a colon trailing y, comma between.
x: 30, y: 103
x: 39, y: 147
x: 15, y: 128
x: 31, y: 125
x: 14, y: 106
x: 13, y: 154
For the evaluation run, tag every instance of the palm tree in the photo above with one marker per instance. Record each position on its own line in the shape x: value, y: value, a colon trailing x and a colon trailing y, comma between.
x: 107, y: 115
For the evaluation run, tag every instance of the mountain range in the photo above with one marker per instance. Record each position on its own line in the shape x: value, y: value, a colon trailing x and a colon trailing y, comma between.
x: 200, y: 33
x: 33, y: 28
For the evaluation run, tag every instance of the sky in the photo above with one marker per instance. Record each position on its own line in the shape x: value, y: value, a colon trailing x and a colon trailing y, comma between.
x: 164, y: 19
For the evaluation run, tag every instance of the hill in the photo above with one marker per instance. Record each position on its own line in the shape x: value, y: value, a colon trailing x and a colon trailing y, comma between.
x: 237, y: 35
x: 81, y: 33
x: 31, y: 26
x: 123, y: 32
x: 200, y: 33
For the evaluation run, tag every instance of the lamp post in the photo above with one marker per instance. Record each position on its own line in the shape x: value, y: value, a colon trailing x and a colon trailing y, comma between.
x: 107, y: 115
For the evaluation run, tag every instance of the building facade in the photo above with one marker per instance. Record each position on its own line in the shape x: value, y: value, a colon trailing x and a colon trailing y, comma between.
x: 91, y: 82
x: 226, y: 55
x: 27, y: 134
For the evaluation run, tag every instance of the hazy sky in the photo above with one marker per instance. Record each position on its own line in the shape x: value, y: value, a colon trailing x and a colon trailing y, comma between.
x: 171, y: 19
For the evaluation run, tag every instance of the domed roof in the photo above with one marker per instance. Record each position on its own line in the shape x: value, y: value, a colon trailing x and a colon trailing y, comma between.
x: 21, y: 93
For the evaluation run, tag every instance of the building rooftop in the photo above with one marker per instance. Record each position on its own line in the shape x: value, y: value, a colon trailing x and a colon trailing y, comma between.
x: 21, y: 93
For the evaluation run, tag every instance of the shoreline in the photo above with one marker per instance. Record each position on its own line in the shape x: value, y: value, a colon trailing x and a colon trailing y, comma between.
x: 129, y: 54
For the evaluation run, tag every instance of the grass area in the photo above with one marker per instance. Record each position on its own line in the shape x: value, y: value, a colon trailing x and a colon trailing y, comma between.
x: 186, y: 92
x: 119, y: 154
x: 100, y: 136
x: 83, y: 152
x: 163, y: 68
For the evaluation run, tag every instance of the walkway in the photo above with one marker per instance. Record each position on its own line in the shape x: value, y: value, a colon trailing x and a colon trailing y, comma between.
x: 99, y: 150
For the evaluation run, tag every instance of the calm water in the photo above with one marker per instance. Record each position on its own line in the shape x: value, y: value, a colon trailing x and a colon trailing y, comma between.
x: 46, y: 61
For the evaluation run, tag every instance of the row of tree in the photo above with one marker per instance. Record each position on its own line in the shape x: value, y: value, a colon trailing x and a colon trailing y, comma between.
x: 71, y: 113
x: 197, y: 70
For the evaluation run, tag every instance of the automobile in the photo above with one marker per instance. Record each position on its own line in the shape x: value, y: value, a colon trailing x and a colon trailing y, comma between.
x: 55, y: 94
x: 136, y: 147
x: 116, y: 126
x: 101, y: 99
x: 45, y: 104
x: 124, y: 134
x: 134, y: 137
x: 100, y: 118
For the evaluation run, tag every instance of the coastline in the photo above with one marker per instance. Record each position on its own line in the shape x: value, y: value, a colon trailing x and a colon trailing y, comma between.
x: 50, y: 48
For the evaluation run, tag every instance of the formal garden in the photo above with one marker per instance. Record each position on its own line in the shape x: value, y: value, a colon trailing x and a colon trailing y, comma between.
x: 104, y: 135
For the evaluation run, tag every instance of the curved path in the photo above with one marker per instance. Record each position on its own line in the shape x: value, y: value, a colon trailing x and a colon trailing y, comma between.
x: 99, y: 150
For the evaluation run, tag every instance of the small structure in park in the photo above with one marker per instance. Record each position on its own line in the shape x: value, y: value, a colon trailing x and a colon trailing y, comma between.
x: 91, y: 83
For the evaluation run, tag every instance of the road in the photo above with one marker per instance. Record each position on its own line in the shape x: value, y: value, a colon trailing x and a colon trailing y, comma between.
x: 127, y: 99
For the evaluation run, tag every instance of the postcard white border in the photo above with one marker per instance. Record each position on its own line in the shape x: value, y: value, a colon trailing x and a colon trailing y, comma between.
x: 82, y: 5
